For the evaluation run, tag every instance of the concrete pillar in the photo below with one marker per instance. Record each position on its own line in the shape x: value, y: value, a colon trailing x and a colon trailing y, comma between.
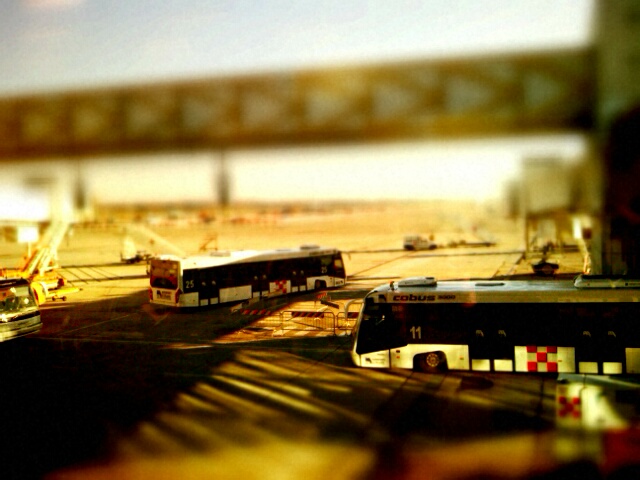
x: 222, y: 182
x: 617, y: 44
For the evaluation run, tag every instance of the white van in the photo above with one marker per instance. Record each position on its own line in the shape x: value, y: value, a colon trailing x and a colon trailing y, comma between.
x: 418, y: 242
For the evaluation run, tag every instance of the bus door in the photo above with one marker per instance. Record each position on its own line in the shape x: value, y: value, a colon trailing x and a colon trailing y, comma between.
x: 209, y: 294
x: 303, y: 270
x: 298, y: 279
x: 493, y: 349
x: 480, y: 349
x: 613, y: 337
x: 259, y: 282
x: 490, y: 346
x: 599, y: 347
x: 234, y: 283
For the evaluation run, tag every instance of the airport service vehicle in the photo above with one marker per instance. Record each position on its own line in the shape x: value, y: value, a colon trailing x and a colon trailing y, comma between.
x: 585, y: 326
x: 418, y: 242
x: 130, y: 254
x: 235, y: 276
x: 41, y: 266
x: 135, y: 257
x: 19, y: 312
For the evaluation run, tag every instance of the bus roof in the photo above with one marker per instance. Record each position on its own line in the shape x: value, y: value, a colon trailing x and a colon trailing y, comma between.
x: 428, y: 290
x: 218, y: 258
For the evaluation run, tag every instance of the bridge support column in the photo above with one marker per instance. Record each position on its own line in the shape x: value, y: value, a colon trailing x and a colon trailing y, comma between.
x: 618, y: 125
x: 222, y: 181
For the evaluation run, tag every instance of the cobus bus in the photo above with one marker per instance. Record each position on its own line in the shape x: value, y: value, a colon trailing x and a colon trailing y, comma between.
x: 588, y: 326
x: 222, y: 277
x: 19, y: 312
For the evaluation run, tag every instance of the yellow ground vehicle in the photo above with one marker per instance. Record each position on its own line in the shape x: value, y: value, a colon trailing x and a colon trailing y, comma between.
x: 40, y: 267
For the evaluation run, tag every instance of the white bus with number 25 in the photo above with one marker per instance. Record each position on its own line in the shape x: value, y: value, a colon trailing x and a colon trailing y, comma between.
x: 222, y: 277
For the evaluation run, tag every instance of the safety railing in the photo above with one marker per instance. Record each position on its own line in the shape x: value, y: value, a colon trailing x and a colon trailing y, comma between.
x: 323, y: 320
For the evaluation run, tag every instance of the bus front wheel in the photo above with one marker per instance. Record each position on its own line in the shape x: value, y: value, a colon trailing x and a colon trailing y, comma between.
x: 431, y: 362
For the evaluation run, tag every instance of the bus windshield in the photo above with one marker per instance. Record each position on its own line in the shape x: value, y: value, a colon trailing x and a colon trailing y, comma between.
x: 338, y: 266
x: 378, y: 329
x: 164, y: 273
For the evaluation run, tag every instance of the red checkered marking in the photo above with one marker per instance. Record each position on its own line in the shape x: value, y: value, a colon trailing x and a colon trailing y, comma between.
x: 280, y: 286
x: 569, y: 406
x: 542, y: 359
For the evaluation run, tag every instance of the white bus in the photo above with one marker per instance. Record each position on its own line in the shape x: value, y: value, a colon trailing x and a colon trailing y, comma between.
x: 19, y: 312
x: 590, y: 326
x: 235, y: 276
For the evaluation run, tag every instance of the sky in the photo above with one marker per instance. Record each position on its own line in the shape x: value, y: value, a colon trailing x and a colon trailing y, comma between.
x: 55, y: 44
x: 59, y: 45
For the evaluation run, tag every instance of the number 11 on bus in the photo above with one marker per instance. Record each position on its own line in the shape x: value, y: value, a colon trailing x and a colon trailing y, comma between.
x: 586, y: 326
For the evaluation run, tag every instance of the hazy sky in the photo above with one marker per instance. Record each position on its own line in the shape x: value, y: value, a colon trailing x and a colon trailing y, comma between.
x: 63, y: 44
x: 47, y: 44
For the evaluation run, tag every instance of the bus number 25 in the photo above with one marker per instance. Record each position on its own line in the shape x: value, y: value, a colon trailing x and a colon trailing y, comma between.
x: 416, y: 332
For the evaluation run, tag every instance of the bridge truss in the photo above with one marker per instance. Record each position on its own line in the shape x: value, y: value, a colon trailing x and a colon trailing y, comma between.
x: 536, y: 92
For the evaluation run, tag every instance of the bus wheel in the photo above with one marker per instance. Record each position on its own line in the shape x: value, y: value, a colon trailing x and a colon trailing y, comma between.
x: 320, y: 284
x: 431, y: 362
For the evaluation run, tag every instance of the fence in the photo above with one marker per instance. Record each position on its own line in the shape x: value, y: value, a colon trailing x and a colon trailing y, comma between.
x: 324, y: 320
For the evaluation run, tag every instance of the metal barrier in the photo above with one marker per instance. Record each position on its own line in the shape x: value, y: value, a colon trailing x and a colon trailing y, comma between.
x: 324, y: 320
x: 347, y: 318
x: 345, y: 321
x: 308, y: 320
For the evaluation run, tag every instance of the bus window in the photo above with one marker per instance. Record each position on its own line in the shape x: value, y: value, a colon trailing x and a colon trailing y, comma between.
x: 282, y: 270
x: 164, y: 274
